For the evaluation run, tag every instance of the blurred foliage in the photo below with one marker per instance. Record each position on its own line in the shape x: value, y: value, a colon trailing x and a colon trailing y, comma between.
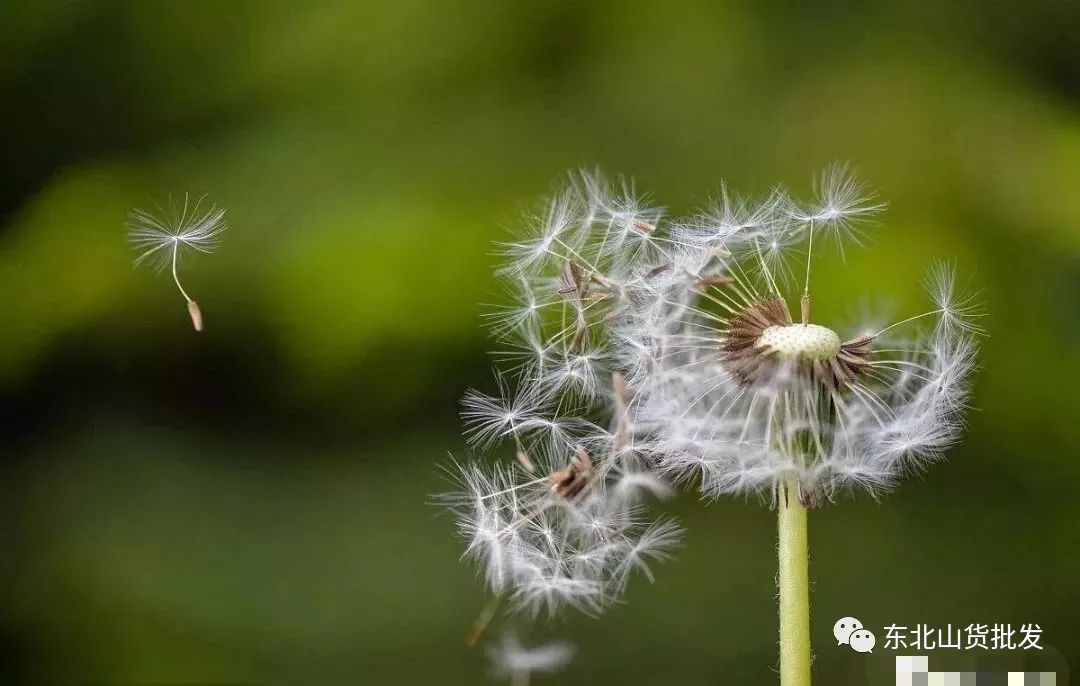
x: 249, y: 504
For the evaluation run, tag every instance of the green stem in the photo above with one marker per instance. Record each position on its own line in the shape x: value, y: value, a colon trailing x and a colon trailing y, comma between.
x: 794, y: 581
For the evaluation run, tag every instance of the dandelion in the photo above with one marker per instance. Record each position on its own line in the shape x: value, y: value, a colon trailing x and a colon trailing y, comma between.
x: 513, y: 661
x: 739, y: 397
x: 673, y: 355
x: 161, y: 238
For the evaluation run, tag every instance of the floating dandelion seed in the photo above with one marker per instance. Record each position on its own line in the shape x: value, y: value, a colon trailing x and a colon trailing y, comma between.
x: 513, y: 661
x: 161, y: 238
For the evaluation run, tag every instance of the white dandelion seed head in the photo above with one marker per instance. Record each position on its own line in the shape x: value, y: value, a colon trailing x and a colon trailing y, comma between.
x: 158, y: 236
x: 640, y: 352
x: 741, y: 396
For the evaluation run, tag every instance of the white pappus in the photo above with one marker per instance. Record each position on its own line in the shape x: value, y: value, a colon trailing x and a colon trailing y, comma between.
x: 739, y: 396
x: 565, y: 520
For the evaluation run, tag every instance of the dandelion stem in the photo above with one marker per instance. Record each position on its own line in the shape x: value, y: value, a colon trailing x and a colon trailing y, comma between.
x: 176, y: 278
x: 794, y: 582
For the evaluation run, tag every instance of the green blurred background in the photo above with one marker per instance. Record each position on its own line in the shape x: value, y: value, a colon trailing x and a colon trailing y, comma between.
x: 249, y: 504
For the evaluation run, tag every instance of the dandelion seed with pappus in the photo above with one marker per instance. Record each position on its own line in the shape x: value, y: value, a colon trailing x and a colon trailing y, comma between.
x: 161, y: 239
x: 512, y: 661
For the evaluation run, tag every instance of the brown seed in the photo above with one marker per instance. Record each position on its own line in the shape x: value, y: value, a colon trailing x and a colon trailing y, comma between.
x: 196, y: 315
x: 570, y: 280
x: 572, y: 480
x: 658, y: 270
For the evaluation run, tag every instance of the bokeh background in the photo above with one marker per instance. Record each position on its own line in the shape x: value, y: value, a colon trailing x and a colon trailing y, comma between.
x: 250, y: 504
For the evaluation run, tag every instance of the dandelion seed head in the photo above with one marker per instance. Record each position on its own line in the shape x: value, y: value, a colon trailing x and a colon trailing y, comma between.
x: 156, y: 236
x: 640, y: 351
